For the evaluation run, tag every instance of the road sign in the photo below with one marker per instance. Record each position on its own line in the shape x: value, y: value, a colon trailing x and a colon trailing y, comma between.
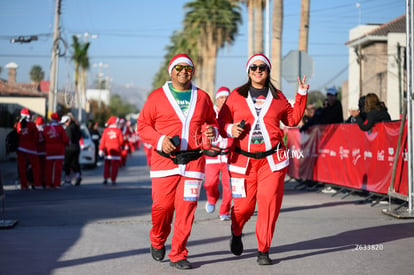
x: 297, y: 63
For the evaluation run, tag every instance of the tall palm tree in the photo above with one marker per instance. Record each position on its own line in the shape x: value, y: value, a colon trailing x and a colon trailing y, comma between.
x: 81, y: 59
x: 277, y: 29
x: 255, y: 26
x: 214, y: 23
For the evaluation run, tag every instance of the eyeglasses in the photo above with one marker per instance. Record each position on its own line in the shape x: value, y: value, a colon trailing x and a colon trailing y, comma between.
x: 261, y: 67
x: 179, y: 68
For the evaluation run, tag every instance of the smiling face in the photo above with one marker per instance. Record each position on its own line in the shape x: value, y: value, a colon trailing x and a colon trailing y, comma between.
x: 258, y: 73
x: 181, y: 80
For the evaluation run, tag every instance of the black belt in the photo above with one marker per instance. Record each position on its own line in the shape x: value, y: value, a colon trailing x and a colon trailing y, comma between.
x: 182, y: 157
x: 214, y: 151
x: 258, y: 155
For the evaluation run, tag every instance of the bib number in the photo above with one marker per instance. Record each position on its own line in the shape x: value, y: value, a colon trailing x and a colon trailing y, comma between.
x: 237, y: 188
x: 192, y: 190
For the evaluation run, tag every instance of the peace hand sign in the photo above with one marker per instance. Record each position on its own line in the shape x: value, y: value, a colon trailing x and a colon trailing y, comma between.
x: 302, y: 84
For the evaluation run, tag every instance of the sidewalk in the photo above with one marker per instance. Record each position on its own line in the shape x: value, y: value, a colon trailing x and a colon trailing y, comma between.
x: 96, y: 229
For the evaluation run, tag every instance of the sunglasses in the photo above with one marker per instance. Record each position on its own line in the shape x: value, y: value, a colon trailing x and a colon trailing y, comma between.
x: 261, y: 67
x: 179, y: 68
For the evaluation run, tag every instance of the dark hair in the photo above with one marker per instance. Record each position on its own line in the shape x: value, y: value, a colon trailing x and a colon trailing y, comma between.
x: 372, y: 102
x: 244, y: 89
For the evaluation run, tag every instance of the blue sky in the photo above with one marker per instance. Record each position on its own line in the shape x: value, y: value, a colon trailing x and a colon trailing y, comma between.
x: 132, y: 37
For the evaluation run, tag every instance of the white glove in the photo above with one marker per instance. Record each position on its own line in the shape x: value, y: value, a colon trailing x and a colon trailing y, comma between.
x: 101, y: 153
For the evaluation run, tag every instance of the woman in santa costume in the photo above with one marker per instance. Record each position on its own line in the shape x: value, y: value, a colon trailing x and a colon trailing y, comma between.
x: 110, y: 148
x: 27, y: 149
x: 172, y: 120
x: 259, y: 161
x: 56, y: 140
x: 216, y: 163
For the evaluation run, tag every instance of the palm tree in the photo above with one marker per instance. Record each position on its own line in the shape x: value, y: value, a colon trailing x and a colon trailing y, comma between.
x: 213, y: 23
x: 37, y: 75
x: 81, y: 59
x: 255, y: 26
x: 277, y: 28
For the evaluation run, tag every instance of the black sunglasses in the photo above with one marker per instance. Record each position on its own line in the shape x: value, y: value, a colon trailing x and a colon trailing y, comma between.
x: 179, y: 68
x: 261, y: 67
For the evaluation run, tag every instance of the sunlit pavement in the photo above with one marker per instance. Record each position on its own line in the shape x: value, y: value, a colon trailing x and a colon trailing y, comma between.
x: 97, y: 229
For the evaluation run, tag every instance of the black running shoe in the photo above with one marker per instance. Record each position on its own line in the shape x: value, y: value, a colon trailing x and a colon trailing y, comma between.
x: 158, y: 254
x: 263, y: 258
x: 236, y: 244
x: 181, y: 264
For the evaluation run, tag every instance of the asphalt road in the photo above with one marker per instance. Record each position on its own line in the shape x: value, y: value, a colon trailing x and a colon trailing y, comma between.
x: 97, y: 229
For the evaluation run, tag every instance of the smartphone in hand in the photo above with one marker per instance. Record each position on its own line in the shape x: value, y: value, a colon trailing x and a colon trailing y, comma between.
x: 175, y: 140
x: 242, y: 124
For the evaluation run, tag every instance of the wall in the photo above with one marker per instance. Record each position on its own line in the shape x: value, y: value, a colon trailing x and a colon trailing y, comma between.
x: 394, y: 97
x: 34, y: 104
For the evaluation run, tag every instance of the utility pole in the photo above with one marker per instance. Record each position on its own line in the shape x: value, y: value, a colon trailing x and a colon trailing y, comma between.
x: 54, y: 62
x: 304, y: 26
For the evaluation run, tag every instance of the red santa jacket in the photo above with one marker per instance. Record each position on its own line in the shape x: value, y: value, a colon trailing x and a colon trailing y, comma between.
x: 111, y: 142
x: 272, y: 113
x: 56, y: 140
x: 28, y: 137
x: 161, y: 116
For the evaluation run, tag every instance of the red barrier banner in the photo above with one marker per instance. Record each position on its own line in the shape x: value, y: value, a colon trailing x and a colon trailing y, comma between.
x: 342, y: 154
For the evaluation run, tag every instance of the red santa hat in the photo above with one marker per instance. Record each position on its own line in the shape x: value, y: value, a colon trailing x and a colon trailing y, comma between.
x: 54, y: 117
x: 222, y: 91
x: 179, y: 58
x: 25, y: 112
x: 111, y: 121
x: 40, y: 120
x: 258, y: 57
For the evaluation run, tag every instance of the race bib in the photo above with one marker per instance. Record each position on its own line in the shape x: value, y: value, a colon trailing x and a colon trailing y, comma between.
x: 237, y: 188
x: 192, y: 190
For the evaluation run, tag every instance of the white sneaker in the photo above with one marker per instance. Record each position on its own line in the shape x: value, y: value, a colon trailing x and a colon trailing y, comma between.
x: 328, y: 190
x: 210, y: 208
x: 225, y: 217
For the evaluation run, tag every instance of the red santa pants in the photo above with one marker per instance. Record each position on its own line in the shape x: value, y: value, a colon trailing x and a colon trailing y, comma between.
x: 266, y: 188
x: 111, y: 167
x: 167, y: 196
x: 53, y: 171
x: 211, y: 185
x: 124, y: 154
x: 22, y: 158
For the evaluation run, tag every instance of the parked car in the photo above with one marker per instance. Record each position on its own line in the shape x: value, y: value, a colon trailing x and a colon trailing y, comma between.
x: 87, y: 153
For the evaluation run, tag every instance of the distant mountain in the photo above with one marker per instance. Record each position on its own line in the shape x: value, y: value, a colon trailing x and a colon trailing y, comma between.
x: 131, y: 93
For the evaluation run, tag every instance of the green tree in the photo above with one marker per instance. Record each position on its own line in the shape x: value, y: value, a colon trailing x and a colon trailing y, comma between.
x: 81, y: 60
x: 214, y: 23
x: 316, y: 98
x: 37, y: 74
x: 120, y: 108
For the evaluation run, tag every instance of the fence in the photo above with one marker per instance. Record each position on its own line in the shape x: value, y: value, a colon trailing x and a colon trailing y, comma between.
x: 343, y: 155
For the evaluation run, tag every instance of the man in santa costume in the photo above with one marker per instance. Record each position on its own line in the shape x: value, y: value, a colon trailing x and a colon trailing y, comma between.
x: 110, y: 148
x: 172, y: 120
x: 27, y: 149
x: 216, y: 162
x: 126, y: 134
x: 259, y: 162
x: 41, y: 149
x: 56, y: 140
